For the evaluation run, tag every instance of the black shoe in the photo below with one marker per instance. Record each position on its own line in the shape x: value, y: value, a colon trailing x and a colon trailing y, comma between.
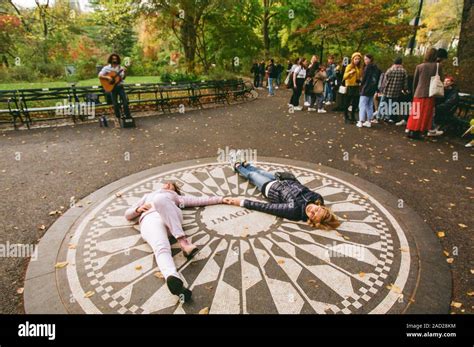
x: 176, y: 287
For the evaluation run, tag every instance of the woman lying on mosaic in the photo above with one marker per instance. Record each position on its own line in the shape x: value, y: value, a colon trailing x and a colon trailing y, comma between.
x: 288, y: 197
x: 160, y: 216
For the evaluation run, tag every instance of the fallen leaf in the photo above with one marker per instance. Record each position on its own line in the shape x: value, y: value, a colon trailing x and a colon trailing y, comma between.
x: 394, y: 288
x: 138, y: 267
x: 158, y: 274
x: 450, y: 260
x: 72, y: 246
x: 61, y: 264
x: 462, y: 225
x: 446, y: 253
x: 470, y: 293
x: 118, y: 195
x: 441, y: 234
x: 404, y: 249
x: 42, y: 227
x: 361, y: 274
x: 456, y: 304
x: 20, y: 290
x: 205, y: 310
x: 89, y: 294
x: 281, y: 261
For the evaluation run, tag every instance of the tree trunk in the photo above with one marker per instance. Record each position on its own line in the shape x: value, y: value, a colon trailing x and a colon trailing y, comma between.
x: 466, y: 37
x: 466, y: 48
x: 188, y: 37
x: 265, y: 28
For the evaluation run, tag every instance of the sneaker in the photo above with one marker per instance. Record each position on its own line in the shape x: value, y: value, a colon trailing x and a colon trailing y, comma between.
x: 322, y: 110
x: 306, y: 103
x: 469, y: 144
x: 359, y: 124
x: 311, y: 109
x: 234, y: 159
x: 276, y: 87
x: 328, y: 103
x: 298, y: 108
x: 375, y: 121
x: 407, y: 131
x: 390, y: 121
x: 367, y: 124
x: 176, y: 287
x: 433, y: 133
x: 402, y: 122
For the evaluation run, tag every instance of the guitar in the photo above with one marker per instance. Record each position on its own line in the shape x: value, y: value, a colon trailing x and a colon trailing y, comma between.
x: 110, y: 85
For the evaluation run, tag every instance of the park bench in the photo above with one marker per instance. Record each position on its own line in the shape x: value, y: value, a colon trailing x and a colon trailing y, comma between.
x: 10, y: 111
x: 82, y: 103
x: 46, y: 104
x: 174, y: 95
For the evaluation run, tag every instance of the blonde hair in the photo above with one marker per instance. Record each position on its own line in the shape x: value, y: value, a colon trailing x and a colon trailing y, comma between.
x: 328, y: 222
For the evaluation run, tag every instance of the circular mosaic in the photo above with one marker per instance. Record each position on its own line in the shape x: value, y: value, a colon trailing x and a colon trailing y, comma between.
x: 249, y: 262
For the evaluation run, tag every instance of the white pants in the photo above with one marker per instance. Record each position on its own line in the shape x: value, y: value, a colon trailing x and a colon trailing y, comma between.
x: 154, y: 232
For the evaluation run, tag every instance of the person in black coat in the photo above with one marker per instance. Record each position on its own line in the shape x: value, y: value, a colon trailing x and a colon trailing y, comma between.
x: 288, y: 197
x: 368, y: 88
x: 261, y: 72
x: 446, y: 107
x: 256, y: 74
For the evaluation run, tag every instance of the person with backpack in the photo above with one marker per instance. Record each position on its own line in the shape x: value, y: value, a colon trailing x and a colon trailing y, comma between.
x: 308, y: 86
x: 368, y: 88
x: 318, y: 89
x: 256, y: 75
x: 272, y: 73
x: 261, y: 73
x: 330, y: 81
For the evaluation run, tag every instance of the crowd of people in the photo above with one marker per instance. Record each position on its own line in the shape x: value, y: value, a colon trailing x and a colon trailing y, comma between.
x: 424, y: 104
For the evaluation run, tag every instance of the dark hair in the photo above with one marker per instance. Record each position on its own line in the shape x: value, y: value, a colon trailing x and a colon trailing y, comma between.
x: 442, y: 54
x: 109, y: 60
x: 431, y: 55
x: 302, y: 60
x: 370, y: 56
x: 398, y: 60
x: 272, y: 61
x: 297, y: 61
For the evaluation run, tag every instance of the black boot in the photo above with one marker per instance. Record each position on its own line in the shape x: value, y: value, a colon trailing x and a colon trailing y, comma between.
x: 176, y: 287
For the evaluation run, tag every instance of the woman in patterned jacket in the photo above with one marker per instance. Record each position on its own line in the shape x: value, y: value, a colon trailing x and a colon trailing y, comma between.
x: 288, y: 197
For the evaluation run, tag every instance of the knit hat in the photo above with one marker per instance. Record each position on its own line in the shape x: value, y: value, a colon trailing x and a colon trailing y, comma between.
x: 355, y: 54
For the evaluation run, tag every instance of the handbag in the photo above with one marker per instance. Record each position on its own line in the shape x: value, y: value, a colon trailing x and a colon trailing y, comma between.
x: 436, y: 85
x: 342, y: 90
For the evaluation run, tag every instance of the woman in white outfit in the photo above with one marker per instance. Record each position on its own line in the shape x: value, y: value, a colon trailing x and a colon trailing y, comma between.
x: 160, y: 216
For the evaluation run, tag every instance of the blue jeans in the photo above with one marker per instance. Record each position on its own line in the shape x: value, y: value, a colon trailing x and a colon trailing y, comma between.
x: 270, y: 86
x: 328, y: 95
x: 257, y: 177
x: 366, y: 108
x: 278, y: 79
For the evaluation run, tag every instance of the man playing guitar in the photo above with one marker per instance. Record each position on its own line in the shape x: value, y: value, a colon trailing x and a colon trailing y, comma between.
x: 111, y: 77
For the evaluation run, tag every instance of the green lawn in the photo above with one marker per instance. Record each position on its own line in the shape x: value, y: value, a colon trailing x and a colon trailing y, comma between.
x: 89, y: 82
